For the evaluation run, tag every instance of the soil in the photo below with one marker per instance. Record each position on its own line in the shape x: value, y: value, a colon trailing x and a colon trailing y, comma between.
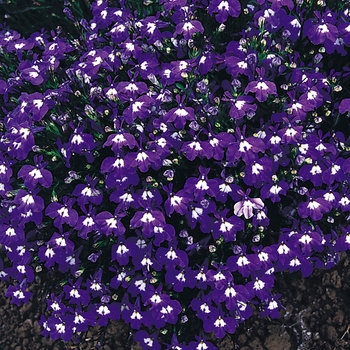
x: 317, y: 316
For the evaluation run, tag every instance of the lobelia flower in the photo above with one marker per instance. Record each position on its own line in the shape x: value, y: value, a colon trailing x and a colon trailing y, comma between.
x: 180, y: 114
x: 179, y: 279
x: 216, y: 143
x: 313, y: 208
x: 223, y: 9
x: 147, y: 341
x: 199, y: 213
x: 334, y: 170
x: 86, y: 224
x: 172, y: 257
x: 163, y: 309
x: 247, y: 204
x: 75, y: 294
x: 240, y: 106
x: 81, y: 143
x: 175, y: 344
x: 21, y: 137
x: 23, y: 271
x: 186, y: 26
x: 28, y: 201
x: 108, y: 223
x: 312, y: 96
x: 147, y: 219
x: 122, y: 251
x: 272, y: 190
x: 143, y: 160
x: 87, y: 194
x: 261, y: 87
x: 344, y: 202
x: 33, y: 175
x: 34, y: 72
x: 266, y: 256
x: 105, y: 311
x: 80, y: 321
x: 202, y: 305
x: 63, y: 213
x: 201, y: 343
x: 18, y: 293
x: 313, y: 172
x: 290, y: 134
x: 226, y: 227
x: 239, y: 61
x: 220, y: 276
x: 145, y: 260
x: 260, y: 285
x: 271, y: 306
x: 260, y: 218
x: 177, y: 202
x: 244, y: 263
x: 219, y: 323
x: 296, y: 107
x: 321, y: 28
x: 258, y: 172
x: 200, y: 186
x: 246, y: 148
x: 58, y: 328
x: 94, y: 284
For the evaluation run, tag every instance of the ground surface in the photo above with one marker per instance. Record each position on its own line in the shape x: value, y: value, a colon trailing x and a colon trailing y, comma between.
x: 317, y: 316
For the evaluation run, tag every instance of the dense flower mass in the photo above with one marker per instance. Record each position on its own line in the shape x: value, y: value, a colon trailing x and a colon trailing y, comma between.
x: 165, y: 164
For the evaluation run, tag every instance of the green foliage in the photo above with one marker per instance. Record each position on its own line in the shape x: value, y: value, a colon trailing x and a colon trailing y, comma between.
x: 29, y: 16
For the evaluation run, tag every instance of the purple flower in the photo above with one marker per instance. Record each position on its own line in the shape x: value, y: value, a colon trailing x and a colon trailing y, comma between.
x: 240, y: 106
x: 122, y: 251
x: 180, y: 114
x: 87, y: 194
x: 147, y: 341
x: 224, y: 9
x: 179, y: 279
x: 86, y: 224
x: 314, y: 207
x: 244, y: 263
x: 80, y: 142
x: 261, y: 87
x: 220, y: 324
x: 110, y: 224
x: 321, y: 28
x: 75, y: 294
x: 188, y: 28
x: 105, y: 312
x: 21, y: 137
x: 246, y: 205
x: 63, y: 213
x: 163, y: 308
x: 201, y: 343
x: 313, y: 172
x: 246, y: 148
x: 227, y: 227
x: 28, y: 201
x: 177, y: 202
x: 344, y: 106
x: 172, y: 257
x: 271, y: 307
x: 142, y: 160
x: 273, y: 189
x: 261, y: 285
x: 18, y: 293
x: 200, y: 186
x: 33, y: 175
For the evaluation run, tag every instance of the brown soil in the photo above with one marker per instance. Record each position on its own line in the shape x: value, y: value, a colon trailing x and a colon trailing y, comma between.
x: 317, y: 316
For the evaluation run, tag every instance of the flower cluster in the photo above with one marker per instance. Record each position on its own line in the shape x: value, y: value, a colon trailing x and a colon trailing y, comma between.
x: 163, y: 166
